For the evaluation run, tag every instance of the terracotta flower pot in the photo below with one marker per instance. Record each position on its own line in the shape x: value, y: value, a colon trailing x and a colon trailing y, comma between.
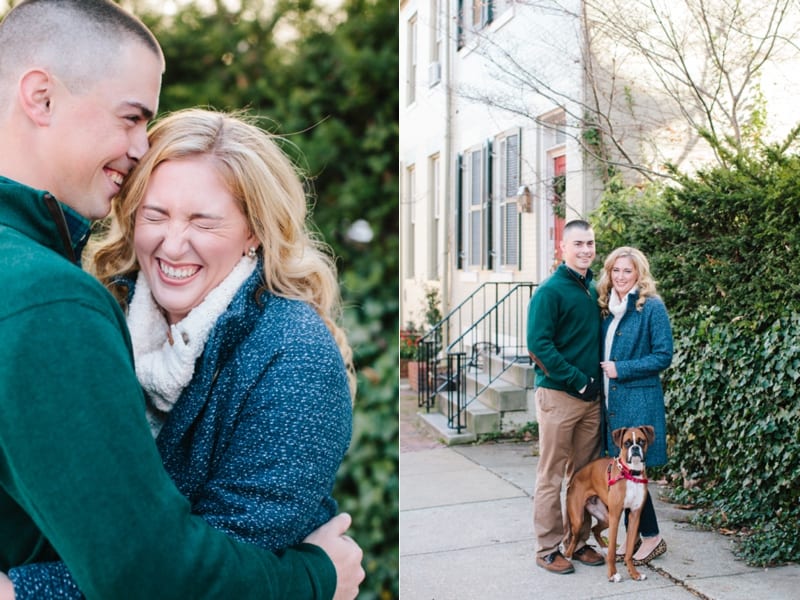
x: 403, y: 368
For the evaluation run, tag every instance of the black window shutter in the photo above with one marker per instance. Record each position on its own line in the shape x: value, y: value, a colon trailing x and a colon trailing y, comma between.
x: 459, y: 214
x: 487, y: 190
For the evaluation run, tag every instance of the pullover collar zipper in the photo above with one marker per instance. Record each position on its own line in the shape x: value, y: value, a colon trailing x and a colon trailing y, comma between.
x: 583, y: 281
x: 61, y: 224
x: 73, y: 228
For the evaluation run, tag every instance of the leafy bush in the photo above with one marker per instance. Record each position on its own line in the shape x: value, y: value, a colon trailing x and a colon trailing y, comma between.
x: 408, y: 344
x: 725, y: 237
x: 368, y: 484
x: 724, y: 245
x: 734, y: 427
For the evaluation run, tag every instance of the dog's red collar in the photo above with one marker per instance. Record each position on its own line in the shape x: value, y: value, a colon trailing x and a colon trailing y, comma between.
x: 624, y: 473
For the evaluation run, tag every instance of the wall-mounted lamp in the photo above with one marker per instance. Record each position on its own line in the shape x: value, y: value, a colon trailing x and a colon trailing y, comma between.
x: 525, y: 199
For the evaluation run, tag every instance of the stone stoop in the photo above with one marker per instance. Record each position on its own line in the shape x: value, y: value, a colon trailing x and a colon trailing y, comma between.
x: 436, y: 424
x: 501, y: 395
x: 519, y: 373
x: 505, y: 405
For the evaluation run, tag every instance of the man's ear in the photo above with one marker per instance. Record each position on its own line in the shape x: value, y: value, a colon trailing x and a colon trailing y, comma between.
x: 35, y: 95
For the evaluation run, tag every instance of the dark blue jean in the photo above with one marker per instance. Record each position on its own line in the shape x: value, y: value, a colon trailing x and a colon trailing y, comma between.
x: 648, y: 525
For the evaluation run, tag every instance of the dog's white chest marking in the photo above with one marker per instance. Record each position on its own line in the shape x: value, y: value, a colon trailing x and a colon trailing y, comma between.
x: 634, y: 495
x: 634, y: 492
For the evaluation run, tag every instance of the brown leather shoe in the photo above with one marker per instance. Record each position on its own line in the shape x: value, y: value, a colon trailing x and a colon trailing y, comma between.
x: 589, y: 556
x: 555, y: 563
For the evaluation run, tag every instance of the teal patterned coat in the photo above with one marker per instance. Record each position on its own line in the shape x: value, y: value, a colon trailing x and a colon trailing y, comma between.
x: 642, y: 349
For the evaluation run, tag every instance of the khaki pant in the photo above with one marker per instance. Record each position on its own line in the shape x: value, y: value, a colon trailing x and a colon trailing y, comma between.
x: 569, y: 438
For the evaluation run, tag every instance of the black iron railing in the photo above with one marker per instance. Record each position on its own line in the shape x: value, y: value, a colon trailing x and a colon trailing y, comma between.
x: 491, y: 321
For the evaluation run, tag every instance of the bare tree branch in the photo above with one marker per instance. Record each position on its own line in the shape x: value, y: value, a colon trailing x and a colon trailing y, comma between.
x: 656, y: 74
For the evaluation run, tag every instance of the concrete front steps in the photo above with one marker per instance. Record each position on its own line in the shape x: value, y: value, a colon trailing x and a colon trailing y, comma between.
x: 507, y: 404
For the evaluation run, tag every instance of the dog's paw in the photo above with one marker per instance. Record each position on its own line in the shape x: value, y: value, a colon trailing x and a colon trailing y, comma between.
x: 642, y: 576
x: 615, y: 578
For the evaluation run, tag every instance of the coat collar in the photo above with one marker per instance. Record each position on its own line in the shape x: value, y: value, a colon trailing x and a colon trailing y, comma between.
x: 232, y: 327
x: 584, y: 279
x: 633, y: 297
x: 630, y: 299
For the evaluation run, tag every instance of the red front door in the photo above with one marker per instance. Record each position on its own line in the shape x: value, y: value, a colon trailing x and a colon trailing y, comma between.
x: 559, y: 171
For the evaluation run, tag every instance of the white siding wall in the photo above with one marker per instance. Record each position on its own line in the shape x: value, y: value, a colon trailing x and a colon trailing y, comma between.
x: 443, y: 120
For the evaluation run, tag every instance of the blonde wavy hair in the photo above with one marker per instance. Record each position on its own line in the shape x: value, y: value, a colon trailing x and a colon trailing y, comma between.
x: 645, y: 283
x: 270, y: 193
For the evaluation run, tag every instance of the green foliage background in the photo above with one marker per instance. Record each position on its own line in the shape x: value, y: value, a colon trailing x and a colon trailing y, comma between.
x: 724, y: 245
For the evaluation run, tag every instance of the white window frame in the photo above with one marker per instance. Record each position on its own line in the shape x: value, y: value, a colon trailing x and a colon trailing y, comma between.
x: 435, y: 197
x: 411, y: 75
x: 411, y: 191
x: 506, y: 187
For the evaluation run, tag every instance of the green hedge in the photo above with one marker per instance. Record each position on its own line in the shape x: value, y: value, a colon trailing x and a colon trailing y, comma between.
x: 734, y: 430
x: 368, y: 485
x: 724, y: 245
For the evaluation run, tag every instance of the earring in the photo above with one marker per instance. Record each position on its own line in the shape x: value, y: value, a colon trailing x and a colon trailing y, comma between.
x: 252, y: 252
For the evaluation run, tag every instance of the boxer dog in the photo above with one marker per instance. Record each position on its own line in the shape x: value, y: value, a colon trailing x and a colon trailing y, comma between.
x: 607, y: 486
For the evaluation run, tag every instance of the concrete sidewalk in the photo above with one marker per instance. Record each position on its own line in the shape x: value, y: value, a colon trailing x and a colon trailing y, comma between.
x: 466, y: 533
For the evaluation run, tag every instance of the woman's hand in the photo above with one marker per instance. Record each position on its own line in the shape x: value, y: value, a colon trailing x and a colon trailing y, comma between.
x: 609, y: 368
x: 6, y: 588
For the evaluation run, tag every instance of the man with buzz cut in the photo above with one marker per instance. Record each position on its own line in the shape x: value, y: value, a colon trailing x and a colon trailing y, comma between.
x: 80, y: 477
x: 564, y: 342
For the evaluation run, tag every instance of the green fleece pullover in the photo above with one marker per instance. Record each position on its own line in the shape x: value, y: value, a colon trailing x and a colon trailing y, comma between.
x: 80, y: 477
x: 564, y: 331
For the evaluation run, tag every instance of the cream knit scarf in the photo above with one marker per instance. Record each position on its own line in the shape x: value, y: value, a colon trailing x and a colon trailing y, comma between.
x: 617, y: 308
x: 165, y: 354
